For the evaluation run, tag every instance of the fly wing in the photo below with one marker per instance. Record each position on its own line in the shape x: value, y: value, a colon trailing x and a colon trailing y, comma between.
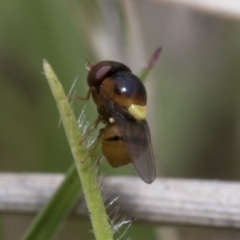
x: 136, y: 135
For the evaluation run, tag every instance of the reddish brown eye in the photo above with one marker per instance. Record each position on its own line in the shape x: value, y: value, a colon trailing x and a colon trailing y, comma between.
x: 97, y: 74
x: 102, y: 70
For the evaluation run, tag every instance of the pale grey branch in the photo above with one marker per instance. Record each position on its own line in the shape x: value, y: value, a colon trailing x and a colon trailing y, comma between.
x: 221, y: 8
x: 166, y: 201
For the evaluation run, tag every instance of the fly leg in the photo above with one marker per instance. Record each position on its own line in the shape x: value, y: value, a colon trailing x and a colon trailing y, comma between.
x: 94, y: 126
x: 98, y: 160
x: 97, y: 141
x: 81, y: 98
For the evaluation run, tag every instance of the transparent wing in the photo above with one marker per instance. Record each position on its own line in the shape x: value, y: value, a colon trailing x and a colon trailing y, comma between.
x: 136, y: 135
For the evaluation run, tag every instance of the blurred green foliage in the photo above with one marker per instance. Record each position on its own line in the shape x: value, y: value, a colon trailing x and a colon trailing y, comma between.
x: 193, y: 99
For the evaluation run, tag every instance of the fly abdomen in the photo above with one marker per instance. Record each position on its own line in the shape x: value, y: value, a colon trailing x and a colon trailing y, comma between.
x: 114, y: 148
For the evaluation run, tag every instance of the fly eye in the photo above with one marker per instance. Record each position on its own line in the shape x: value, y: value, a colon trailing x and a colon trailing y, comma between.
x: 97, y: 74
x: 103, y: 70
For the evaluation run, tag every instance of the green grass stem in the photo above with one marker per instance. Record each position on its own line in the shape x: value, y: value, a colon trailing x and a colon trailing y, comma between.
x: 91, y: 190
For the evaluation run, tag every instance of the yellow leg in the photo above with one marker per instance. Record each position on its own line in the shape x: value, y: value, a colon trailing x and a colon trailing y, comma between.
x: 94, y: 126
x: 98, y: 160
x: 95, y: 145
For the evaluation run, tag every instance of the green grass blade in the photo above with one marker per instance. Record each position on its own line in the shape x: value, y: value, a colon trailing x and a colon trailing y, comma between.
x: 48, y: 220
x: 152, y: 61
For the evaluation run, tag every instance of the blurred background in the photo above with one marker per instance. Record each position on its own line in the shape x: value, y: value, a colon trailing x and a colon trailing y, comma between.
x: 193, y: 91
